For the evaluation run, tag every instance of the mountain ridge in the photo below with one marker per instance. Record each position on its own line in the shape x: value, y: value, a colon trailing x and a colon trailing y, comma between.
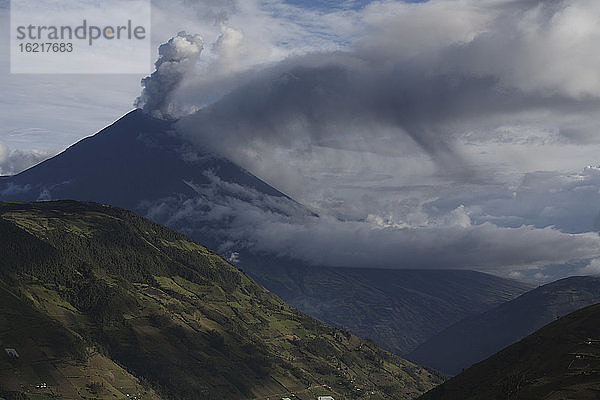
x: 136, y: 132
x: 559, y: 361
x: 478, y: 337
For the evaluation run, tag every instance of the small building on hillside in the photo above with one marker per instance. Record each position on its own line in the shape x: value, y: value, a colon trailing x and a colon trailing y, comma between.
x: 12, y: 353
x: 325, y: 398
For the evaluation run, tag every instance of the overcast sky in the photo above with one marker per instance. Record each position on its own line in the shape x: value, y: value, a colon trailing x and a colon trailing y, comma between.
x: 461, y: 131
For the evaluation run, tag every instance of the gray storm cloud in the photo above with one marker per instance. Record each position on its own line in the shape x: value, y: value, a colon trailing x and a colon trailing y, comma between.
x: 4, y: 150
x: 485, y: 62
x: 332, y: 100
x: 491, y: 61
x: 429, y: 106
x: 177, y: 58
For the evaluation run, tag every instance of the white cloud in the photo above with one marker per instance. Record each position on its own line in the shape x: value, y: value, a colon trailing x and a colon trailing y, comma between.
x: 593, y: 268
x: 241, y: 219
x: 15, y: 161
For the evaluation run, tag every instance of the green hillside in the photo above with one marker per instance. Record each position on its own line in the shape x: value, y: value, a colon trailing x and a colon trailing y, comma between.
x: 560, y: 361
x: 52, y: 360
x: 100, y: 303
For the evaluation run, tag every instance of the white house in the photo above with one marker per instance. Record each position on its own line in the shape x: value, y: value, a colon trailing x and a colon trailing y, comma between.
x: 12, y: 353
x: 325, y: 398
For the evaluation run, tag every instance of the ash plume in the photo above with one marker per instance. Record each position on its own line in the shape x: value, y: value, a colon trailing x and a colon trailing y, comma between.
x: 177, y: 58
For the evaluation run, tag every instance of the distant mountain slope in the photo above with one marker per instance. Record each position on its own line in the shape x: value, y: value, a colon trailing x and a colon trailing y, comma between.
x: 560, y: 361
x: 398, y: 309
x: 476, y: 338
x: 141, y: 164
x: 101, y: 287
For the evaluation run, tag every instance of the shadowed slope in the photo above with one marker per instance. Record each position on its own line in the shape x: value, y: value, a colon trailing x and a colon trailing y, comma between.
x: 475, y: 338
x: 560, y: 361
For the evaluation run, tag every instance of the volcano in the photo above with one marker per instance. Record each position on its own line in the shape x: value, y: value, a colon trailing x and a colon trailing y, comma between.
x: 141, y: 163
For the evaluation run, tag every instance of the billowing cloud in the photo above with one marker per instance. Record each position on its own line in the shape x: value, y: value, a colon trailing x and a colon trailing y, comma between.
x: 593, y: 268
x: 403, y: 84
x: 464, y: 143
x: 242, y: 220
x: 234, y: 51
x: 14, y: 161
x: 176, y: 58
